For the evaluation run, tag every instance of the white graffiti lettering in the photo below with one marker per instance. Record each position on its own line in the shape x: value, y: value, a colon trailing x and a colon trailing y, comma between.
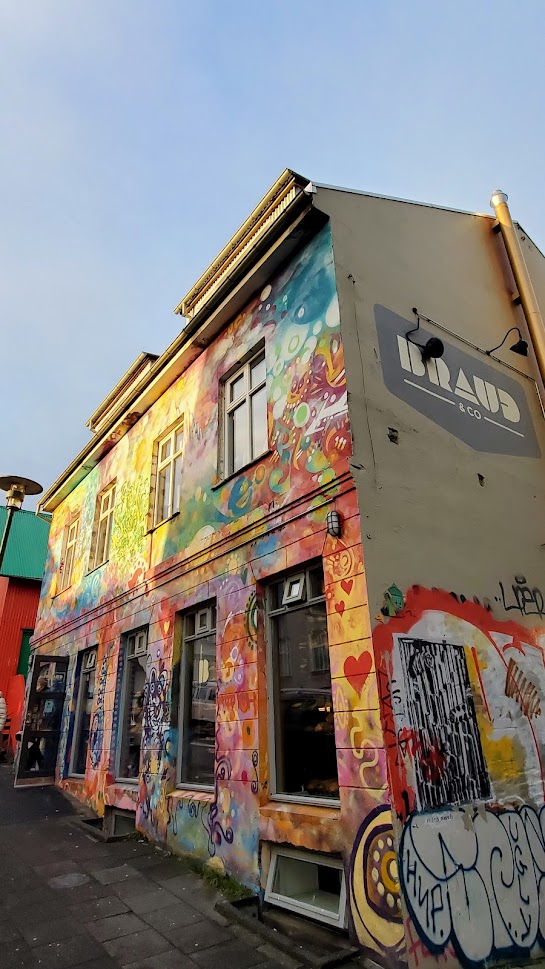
x: 482, y: 392
x: 476, y: 880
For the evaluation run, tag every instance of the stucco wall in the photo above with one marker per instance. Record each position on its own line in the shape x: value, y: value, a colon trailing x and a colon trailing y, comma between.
x: 453, y: 519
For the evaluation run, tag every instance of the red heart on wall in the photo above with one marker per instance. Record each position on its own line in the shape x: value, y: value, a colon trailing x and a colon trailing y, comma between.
x: 357, y: 669
x: 339, y: 607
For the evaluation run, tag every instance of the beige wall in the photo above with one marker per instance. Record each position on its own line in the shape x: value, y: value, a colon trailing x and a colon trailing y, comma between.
x: 427, y: 518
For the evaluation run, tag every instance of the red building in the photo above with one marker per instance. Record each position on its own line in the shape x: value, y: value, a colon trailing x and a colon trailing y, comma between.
x: 20, y: 583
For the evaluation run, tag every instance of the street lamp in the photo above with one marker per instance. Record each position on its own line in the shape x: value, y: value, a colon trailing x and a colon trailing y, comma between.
x: 16, y: 488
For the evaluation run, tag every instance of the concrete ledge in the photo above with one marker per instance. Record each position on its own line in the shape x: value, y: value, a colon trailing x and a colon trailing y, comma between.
x: 241, y: 912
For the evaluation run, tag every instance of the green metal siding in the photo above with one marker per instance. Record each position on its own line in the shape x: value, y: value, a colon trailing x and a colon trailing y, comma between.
x: 27, y: 545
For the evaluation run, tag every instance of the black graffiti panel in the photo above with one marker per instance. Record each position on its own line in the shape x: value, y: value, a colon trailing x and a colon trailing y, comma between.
x: 443, y: 736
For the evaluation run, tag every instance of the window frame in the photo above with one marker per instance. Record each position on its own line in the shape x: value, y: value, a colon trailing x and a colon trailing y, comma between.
x: 197, y: 611
x: 294, y: 605
x: 100, y: 516
x: 83, y: 669
x: 141, y: 632
x: 229, y: 407
x: 69, y: 544
x: 159, y: 466
x: 304, y: 908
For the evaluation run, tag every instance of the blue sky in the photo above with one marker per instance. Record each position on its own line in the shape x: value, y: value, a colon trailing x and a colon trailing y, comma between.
x: 137, y: 137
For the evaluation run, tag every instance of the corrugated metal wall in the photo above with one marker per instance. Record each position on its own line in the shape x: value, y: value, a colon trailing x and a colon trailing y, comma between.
x: 20, y: 604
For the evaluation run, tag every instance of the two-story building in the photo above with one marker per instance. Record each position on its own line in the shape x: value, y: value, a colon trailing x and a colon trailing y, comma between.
x: 355, y: 730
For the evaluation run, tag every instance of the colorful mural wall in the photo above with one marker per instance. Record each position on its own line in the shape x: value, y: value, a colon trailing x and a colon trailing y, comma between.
x: 229, y: 539
x: 461, y: 697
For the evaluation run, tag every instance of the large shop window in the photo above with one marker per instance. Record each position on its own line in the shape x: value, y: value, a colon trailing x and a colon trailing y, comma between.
x: 132, y: 704
x: 68, y: 553
x: 246, y: 414
x: 84, y: 706
x: 102, y: 530
x: 301, y: 707
x: 169, y: 474
x: 198, y: 698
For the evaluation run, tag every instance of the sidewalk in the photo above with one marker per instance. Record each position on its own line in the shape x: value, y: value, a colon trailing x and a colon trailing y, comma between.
x: 67, y: 900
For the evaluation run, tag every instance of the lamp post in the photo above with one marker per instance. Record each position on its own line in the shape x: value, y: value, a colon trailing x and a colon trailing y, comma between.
x: 16, y: 488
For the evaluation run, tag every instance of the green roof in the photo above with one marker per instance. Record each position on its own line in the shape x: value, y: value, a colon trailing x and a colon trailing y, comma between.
x: 27, y: 545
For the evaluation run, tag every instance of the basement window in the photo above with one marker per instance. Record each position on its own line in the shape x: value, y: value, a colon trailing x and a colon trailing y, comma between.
x: 309, y: 884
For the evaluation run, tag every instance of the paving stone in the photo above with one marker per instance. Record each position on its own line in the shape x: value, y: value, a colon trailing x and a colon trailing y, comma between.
x: 103, y: 962
x: 8, y: 932
x: 228, y: 954
x: 72, y: 880
x: 115, y: 926
x: 200, y: 935
x: 119, y: 873
x: 167, y: 868
x: 139, y: 945
x: 173, y: 917
x: 55, y: 868
x: 101, y: 908
x: 52, y: 930
x: 133, y: 886
x: 181, y: 885
x: 67, y: 953
x: 151, y: 901
x: 171, y: 959
x: 16, y: 955
x: 84, y: 893
x: 146, y: 862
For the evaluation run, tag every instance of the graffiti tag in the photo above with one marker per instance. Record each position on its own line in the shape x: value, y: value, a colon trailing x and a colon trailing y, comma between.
x: 475, y: 881
x: 528, y: 601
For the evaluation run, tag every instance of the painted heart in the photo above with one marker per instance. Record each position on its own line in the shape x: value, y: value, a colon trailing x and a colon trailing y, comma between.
x: 339, y: 607
x: 357, y: 669
x: 346, y: 585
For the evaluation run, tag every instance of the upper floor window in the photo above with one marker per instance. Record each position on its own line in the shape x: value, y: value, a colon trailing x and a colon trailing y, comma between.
x: 68, y: 556
x: 102, y: 530
x: 301, y: 704
x: 198, y: 682
x: 246, y: 414
x: 168, y: 474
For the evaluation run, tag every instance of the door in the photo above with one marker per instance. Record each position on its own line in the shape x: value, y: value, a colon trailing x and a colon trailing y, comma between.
x: 37, y: 757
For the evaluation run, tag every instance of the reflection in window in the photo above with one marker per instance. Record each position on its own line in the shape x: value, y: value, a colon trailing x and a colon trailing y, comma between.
x: 169, y: 474
x: 302, y: 707
x: 69, y: 554
x: 246, y: 414
x: 132, y: 708
x: 84, y: 706
x: 198, y: 697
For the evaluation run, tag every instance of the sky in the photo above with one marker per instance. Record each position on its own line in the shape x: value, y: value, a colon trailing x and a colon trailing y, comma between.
x: 138, y: 136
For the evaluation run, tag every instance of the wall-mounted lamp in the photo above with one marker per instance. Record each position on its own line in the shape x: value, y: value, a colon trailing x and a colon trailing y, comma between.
x: 520, y: 347
x: 334, y: 524
x: 433, y: 348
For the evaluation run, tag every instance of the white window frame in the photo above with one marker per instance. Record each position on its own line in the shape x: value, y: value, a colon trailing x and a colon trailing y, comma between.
x: 103, y: 514
x: 304, y: 908
x: 134, y: 644
x: 202, y: 614
x: 88, y: 663
x: 161, y: 465
x: 71, y: 534
x: 232, y: 405
x: 300, y: 600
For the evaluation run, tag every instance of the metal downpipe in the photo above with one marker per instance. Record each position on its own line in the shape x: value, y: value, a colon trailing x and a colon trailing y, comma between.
x: 526, y: 292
